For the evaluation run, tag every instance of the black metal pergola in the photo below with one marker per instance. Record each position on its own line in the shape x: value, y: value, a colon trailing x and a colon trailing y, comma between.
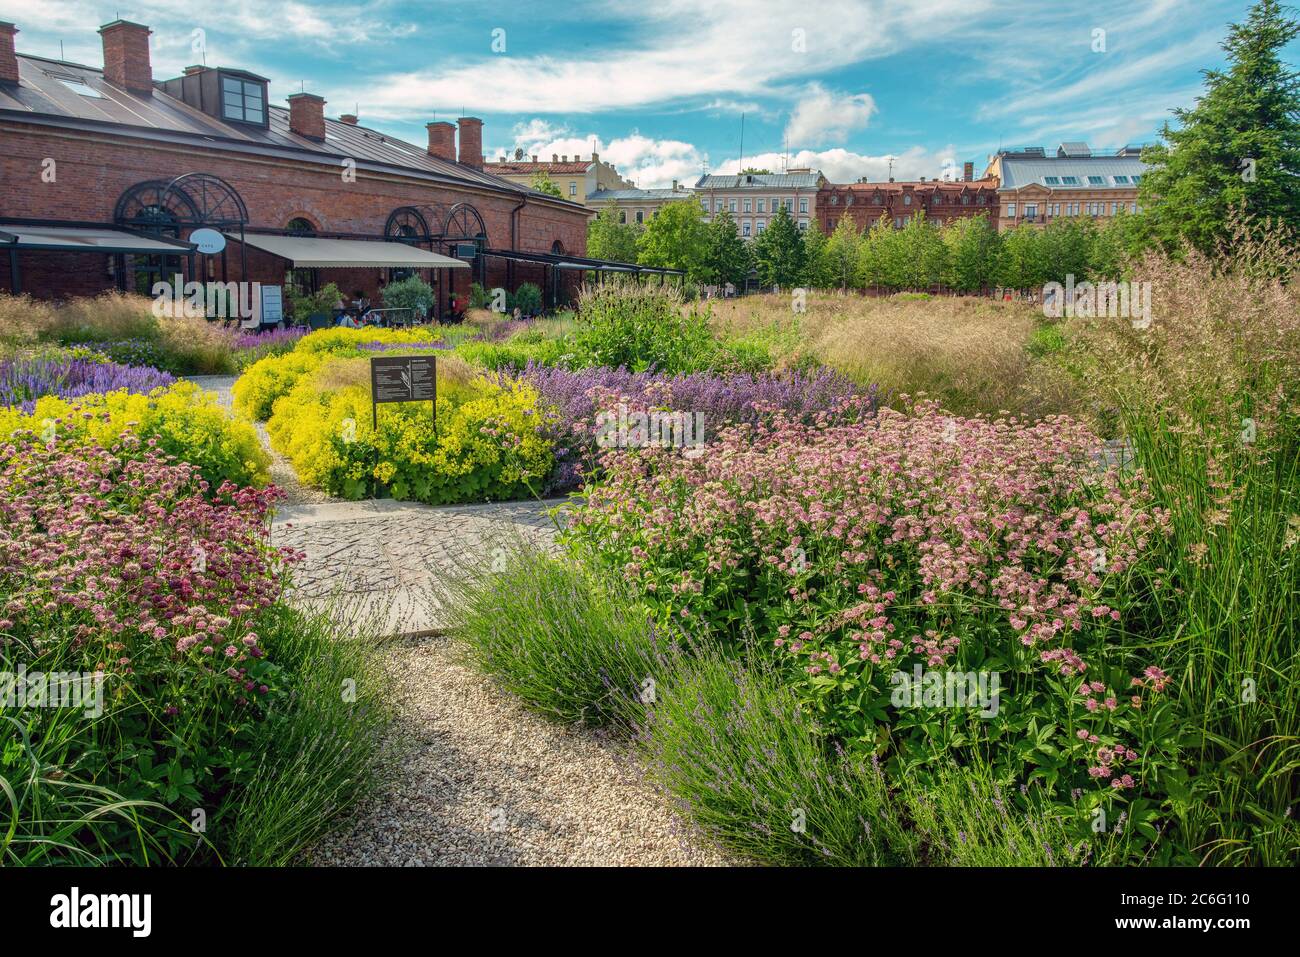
x: 556, y: 263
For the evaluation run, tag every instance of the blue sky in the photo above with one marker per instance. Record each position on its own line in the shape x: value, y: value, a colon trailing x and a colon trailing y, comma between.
x: 659, y: 87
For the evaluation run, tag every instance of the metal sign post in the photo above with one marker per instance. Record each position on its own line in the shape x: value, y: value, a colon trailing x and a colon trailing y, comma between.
x: 404, y: 379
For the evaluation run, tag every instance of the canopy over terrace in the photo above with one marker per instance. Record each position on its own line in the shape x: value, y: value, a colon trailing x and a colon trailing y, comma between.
x: 18, y: 235
x: 314, y: 252
x: 559, y: 262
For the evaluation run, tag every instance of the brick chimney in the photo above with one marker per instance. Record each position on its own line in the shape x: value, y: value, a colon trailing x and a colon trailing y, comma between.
x: 442, y: 140
x: 126, y: 56
x: 307, y: 115
x: 8, y: 58
x: 968, y: 171
x: 349, y: 118
x: 471, y: 142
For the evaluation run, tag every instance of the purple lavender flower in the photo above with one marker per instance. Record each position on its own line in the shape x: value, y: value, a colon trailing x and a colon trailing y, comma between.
x: 23, y: 381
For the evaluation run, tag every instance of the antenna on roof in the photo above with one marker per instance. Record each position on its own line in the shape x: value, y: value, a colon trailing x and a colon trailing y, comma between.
x: 61, y: 56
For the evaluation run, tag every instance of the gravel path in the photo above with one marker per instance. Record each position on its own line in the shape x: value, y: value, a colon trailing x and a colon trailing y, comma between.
x: 472, y: 777
x: 478, y: 780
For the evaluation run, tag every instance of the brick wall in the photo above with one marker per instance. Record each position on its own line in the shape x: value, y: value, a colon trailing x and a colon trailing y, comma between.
x: 92, y: 170
x: 870, y: 201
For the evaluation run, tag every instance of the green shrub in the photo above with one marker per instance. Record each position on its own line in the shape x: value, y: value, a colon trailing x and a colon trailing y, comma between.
x: 528, y: 299
x: 267, y: 379
x: 641, y: 328
x: 743, y: 760
x: 410, y: 293
x: 478, y: 296
x: 489, y: 443
x: 553, y: 636
x: 319, y: 303
x: 182, y: 419
x: 513, y: 354
x: 317, y: 750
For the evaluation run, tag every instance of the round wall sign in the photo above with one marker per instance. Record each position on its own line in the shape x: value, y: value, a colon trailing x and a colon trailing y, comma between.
x: 208, y: 240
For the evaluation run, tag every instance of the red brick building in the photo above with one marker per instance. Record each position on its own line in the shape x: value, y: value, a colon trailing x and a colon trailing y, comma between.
x: 937, y: 200
x: 104, y: 171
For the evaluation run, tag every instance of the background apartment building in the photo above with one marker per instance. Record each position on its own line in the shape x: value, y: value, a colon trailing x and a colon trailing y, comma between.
x: 637, y: 205
x: 577, y: 178
x: 753, y: 199
x: 1036, y: 188
x: 935, y: 200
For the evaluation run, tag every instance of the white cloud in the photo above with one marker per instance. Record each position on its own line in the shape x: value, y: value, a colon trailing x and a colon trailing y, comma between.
x: 822, y: 116
x: 702, y: 51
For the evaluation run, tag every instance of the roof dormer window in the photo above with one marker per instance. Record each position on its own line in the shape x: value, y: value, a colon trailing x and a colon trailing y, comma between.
x: 243, y: 100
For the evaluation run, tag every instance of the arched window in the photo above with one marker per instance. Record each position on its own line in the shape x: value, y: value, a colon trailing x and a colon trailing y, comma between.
x: 301, y: 282
x: 557, y: 248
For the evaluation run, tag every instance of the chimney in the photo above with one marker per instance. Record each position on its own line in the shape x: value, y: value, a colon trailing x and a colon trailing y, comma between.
x: 307, y: 115
x: 126, y: 56
x: 502, y: 159
x: 555, y: 157
x: 534, y: 157
x: 595, y: 157
x: 8, y: 58
x: 442, y: 140
x: 968, y: 171
x: 674, y: 186
x: 471, y: 142
x: 349, y: 118
x: 564, y: 158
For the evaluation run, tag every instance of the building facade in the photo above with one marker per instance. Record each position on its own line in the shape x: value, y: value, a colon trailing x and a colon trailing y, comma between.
x: 577, y: 178
x: 937, y: 201
x: 113, y: 151
x: 1036, y: 188
x: 752, y: 199
x: 637, y: 205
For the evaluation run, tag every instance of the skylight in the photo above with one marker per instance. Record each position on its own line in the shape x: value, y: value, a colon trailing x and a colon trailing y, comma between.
x: 1052, y: 180
x: 80, y: 87
x: 1096, y: 180
x: 1070, y: 180
x: 1121, y: 180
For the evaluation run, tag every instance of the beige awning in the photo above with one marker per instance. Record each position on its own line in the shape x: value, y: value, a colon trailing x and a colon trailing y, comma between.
x: 90, y: 239
x: 312, y: 252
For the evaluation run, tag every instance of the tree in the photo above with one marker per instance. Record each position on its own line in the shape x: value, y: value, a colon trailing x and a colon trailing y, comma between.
x: 726, y: 255
x: 608, y: 238
x: 973, y: 248
x: 543, y: 184
x: 1022, y: 264
x: 1239, y: 146
x: 676, y: 238
x: 778, y: 252
x: 923, y: 253
x: 1067, y: 246
x: 816, y: 271
x: 843, y: 253
x: 880, y: 257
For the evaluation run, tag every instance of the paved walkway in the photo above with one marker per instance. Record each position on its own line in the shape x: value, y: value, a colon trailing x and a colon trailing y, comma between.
x: 378, y: 558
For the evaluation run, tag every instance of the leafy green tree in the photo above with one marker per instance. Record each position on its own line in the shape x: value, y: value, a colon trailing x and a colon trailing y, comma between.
x: 923, y: 253
x: 726, y: 255
x: 543, y: 184
x: 1067, y: 247
x: 608, y: 238
x: 1239, y: 146
x: 843, y: 254
x: 880, y: 258
x: 816, y: 275
x: 1023, y: 264
x: 973, y: 250
x: 779, y: 252
x: 676, y: 238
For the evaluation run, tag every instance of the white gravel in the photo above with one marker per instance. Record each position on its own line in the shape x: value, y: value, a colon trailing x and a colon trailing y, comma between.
x: 475, y: 779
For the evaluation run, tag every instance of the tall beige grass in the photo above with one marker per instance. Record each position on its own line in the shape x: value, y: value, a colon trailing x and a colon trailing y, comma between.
x: 968, y: 353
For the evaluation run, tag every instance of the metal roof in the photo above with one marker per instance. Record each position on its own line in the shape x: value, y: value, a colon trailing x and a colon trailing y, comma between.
x: 47, y: 93
x: 632, y: 195
x: 1020, y: 171
x: 312, y: 252
x: 761, y: 181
